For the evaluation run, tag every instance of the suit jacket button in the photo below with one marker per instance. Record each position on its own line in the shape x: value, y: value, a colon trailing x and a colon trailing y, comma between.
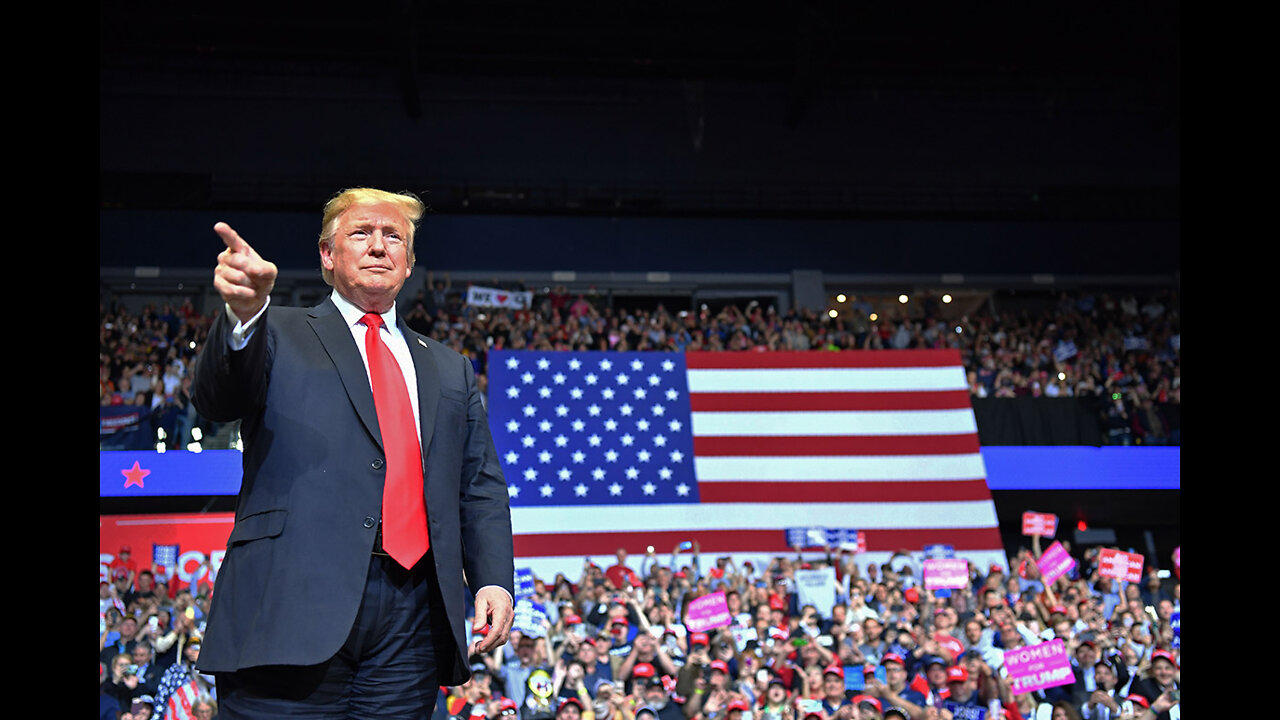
x: 377, y: 463
x: 370, y: 522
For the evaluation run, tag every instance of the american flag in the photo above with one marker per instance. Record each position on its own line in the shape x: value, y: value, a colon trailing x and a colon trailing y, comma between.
x: 180, y: 702
x: 606, y: 450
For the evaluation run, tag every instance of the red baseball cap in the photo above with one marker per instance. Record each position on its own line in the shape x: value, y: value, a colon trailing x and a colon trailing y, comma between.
x: 126, y: 549
x: 911, y: 595
x: 738, y: 704
x: 833, y: 670
x: 1137, y: 699
x: 720, y: 665
x: 893, y: 657
x: 642, y: 670
x: 120, y: 572
x: 572, y: 620
x: 570, y: 700
x: 699, y: 638
x: 1166, y: 655
x: 507, y: 703
x: 859, y: 699
x: 957, y: 673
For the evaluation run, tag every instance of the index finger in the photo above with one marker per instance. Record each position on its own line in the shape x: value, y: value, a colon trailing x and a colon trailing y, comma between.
x: 232, y: 239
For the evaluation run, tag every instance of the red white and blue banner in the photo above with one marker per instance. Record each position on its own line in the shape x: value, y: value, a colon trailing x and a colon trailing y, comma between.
x: 608, y: 450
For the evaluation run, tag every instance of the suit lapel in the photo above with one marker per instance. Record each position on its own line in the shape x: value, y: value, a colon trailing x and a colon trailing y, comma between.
x: 335, y: 336
x: 424, y: 366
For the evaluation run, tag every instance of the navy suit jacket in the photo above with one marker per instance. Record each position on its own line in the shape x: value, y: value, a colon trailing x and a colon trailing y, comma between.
x: 294, y: 573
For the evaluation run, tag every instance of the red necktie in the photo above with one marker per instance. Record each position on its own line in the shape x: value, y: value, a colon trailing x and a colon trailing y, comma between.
x: 404, y: 511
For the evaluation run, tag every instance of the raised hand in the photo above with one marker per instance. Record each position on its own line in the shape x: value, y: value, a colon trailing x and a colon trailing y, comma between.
x: 242, y: 277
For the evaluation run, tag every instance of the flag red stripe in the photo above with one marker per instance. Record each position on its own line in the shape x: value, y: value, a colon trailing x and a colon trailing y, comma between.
x: 768, y: 541
x: 844, y: 491
x: 828, y: 445
x: 819, y: 401
x: 707, y: 360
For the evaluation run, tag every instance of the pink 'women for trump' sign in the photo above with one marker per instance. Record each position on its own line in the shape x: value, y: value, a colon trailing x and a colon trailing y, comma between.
x: 1054, y: 563
x: 946, y: 573
x: 1037, y: 667
x: 707, y: 612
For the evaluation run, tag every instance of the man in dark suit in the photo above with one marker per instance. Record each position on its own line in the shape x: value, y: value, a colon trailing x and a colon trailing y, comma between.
x: 372, y: 496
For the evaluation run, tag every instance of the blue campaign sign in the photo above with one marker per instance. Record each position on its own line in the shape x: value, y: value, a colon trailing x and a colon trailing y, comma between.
x: 820, y: 536
x: 966, y: 712
x: 524, y: 583
x: 147, y: 473
x: 939, y: 551
x: 1175, y: 621
x: 1066, y: 467
x: 855, y: 680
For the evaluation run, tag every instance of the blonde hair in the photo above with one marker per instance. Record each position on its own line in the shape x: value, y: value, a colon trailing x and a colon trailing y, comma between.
x: 409, y: 205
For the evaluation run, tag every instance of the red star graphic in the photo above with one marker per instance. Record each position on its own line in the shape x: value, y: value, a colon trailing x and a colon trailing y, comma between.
x: 134, y: 475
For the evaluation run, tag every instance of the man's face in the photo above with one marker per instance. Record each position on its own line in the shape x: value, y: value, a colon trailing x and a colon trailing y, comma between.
x: 524, y: 649
x: 587, y: 654
x: 832, y: 685
x: 568, y: 712
x: 895, y: 673
x: 192, y: 652
x: 1163, y: 671
x: 128, y: 628
x: 141, y: 655
x: 937, y: 675
x: 369, y: 255
x: 972, y: 632
x: 871, y: 629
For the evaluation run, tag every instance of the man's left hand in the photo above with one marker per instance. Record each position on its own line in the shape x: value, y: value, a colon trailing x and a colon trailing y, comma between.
x: 493, y: 607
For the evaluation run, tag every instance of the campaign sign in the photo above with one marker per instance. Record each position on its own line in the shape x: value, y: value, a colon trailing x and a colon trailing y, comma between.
x: 822, y: 537
x: 1175, y: 620
x: 530, y: 618
x: 967, y: 712
x: 708, y: 612
x: 1042, y: 524
x: 946, y: 573
x: 524, y: 583
x: 939, y: 551
x: 817, y: 588
x: 1037, y: 667
x: 1120, y: 565
x: 1054, y: 563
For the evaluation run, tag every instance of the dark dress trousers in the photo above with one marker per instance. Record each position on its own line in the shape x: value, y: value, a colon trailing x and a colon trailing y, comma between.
x: 292, y: 581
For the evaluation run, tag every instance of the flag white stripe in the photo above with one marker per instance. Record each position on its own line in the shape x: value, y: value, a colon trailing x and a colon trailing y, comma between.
x: 855, y: 422
x: 756, y: 516
x: 827, y: 379
x: 841, y: 467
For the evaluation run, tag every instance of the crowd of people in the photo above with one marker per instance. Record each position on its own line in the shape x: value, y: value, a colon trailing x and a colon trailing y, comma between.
x: 1121, y: 351
x: 613, y: 644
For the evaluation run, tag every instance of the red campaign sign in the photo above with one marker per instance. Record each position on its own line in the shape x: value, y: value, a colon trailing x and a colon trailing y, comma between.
x: 1120, y: 565
x: 199, y: 537
x: 1042, y: 524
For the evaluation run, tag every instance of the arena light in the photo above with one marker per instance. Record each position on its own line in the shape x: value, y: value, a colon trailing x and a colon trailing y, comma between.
x: 1162, y: 574
x: 902, y: 299
x: 192, y: 344
x: 194, y: 447
x: 160, y: 447
x: 197, y: 434
x: 832, y: 313
x: 1062, y: 376
x: 946, y: 298
x: 159, y: 433
x: 874, y: 317
x: 841, y: 298
x: 959, y: 330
